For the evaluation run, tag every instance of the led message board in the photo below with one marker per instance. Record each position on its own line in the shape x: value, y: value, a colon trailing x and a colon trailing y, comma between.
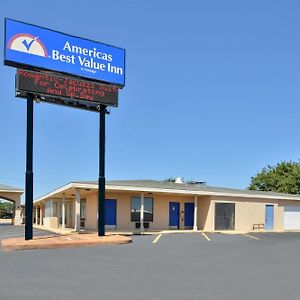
x: 32, y: 47
x: 53, y: 88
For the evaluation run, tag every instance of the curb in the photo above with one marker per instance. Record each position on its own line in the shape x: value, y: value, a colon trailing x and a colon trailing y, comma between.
x: 50, y: 242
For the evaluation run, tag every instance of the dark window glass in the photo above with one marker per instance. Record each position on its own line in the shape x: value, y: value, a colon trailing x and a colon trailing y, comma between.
x: 136, y: 206
x: 135, y: 209
x: 148, y: 210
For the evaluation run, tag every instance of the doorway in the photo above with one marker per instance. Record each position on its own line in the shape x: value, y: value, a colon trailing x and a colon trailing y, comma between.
x: 82, y: 213
x: 174, y: 208
x: 269, y: 219
x: 224, y: 216
x: 110, y: 213
x: 188, y: 215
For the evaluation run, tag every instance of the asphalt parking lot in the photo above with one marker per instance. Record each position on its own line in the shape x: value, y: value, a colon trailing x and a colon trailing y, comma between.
x: 173, y: 266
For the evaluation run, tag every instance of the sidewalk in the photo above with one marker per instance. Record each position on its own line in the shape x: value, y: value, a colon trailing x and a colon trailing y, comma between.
x: 63, y: 241
x: 61, y: 231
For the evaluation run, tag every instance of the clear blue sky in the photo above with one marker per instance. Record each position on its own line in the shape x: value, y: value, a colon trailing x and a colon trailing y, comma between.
x: 212, y: 93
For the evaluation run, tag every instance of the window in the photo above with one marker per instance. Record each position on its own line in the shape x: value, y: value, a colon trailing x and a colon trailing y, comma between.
x: 48, y: 208
x: 51, y: 209
x: 82, y: 213
x: 54, y: 209
x: 136, y: 206
x: 82, y: 209
x: 148, y: 210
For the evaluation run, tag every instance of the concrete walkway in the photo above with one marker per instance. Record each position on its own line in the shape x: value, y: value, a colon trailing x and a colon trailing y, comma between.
x: 63, y: 241
x: 61, y: 231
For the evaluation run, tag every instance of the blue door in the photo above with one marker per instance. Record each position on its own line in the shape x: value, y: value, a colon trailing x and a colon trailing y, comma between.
x: 110, y: 213
x: 188, y: 214
x: 269, y: 221
x: 174, y: 214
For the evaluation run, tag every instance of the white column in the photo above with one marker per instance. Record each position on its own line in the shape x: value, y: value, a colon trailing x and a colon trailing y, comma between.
x: 77, y: 210
x: 18, y: 219
x: 17, y: 215
x: 142, y: 212
x: 195, y: 227
x: 63, y: 225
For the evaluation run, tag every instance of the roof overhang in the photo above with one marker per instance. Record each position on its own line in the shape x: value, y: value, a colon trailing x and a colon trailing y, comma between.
x: 11, y: 191
x: 121, y: 188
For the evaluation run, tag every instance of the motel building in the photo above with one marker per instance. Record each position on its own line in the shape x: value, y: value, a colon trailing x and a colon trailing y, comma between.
x: 149, y: 205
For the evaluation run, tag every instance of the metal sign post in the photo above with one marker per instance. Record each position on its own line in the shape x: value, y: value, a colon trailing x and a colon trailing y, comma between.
x: 101, y: 178
x: 29, y: 173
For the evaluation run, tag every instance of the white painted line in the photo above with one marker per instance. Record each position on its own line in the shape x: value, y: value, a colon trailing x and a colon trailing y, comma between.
x: 250, y: 236
x: 208, y: 239
x: 157, y: 238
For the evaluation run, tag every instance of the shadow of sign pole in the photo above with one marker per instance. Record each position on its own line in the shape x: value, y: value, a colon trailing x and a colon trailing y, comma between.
x: 29, y: 173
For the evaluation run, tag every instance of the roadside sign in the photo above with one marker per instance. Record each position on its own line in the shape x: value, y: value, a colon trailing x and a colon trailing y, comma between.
x: 32, y: 47
x: 61, y: 62
x: 52, y: 88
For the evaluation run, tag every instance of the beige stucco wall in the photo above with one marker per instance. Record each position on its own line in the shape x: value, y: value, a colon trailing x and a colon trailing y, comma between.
x: 50, y: 222
x: 160, y: 210
x: 249, y: 211
x: 11, y: 196
x: 204, y: 213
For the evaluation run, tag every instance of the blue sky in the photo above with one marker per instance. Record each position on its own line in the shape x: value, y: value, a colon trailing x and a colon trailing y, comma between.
x: 212, y: 93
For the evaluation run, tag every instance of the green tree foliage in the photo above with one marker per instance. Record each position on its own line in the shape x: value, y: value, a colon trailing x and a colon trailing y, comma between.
x: 170, y: 179
x: 282, y: 178
x: 6, y: 208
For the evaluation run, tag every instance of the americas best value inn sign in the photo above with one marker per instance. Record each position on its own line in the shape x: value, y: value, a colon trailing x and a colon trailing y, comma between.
x: 40, y: 48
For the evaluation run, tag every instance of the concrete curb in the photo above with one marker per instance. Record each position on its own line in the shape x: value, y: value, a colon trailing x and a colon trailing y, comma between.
x: 51, y: 242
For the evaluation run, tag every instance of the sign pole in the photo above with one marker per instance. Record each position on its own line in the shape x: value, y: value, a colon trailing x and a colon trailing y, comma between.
x: 29, y: 173
x: 101, y: 178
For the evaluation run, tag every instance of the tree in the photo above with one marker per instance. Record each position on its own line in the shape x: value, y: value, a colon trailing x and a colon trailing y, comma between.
x: 6, y: 208
x: 282, y: 178
x: 170, y: 179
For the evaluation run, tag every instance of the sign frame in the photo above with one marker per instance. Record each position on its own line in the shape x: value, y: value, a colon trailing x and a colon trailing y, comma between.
x: 36, y: 68
x: 81, y: 103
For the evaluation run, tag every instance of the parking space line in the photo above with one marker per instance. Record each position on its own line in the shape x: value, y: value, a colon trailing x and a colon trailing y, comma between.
x: 250, y: 236
x: 157, y: 238
x: 207, y: 238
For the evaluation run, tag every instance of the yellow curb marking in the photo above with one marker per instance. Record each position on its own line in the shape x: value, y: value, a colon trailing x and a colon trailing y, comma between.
x: 250, y: 236
x: 205, y: 236
x: 157, y: 238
